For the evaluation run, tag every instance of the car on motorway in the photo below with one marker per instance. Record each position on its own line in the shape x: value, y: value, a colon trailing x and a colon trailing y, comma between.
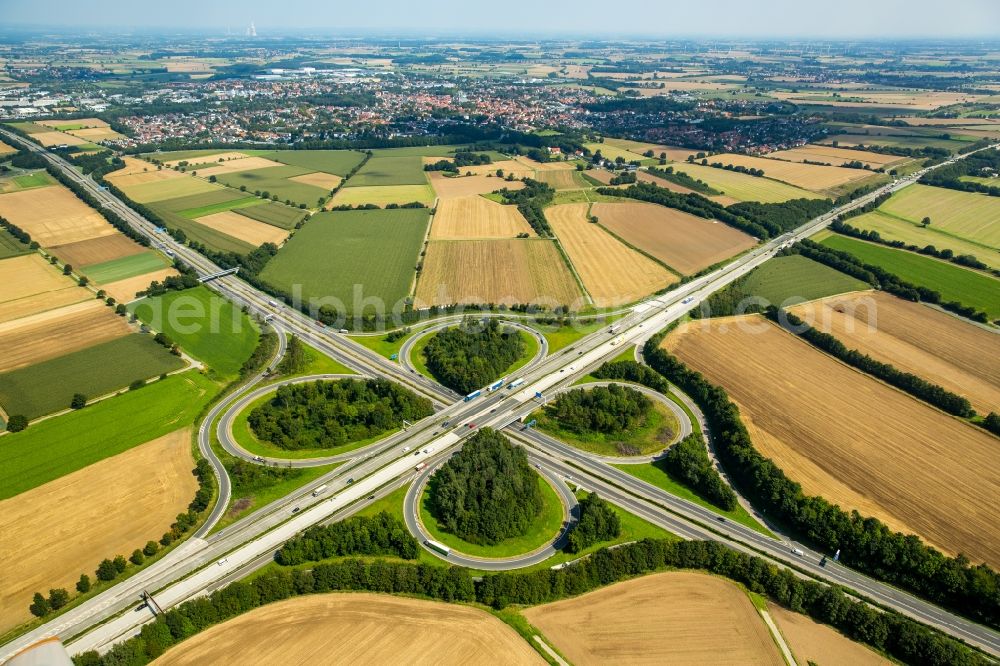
x: 350, y: 481
x: 797, y: 551
x: 296, y: 509
x: 406, y: 449
x: 471, y: 426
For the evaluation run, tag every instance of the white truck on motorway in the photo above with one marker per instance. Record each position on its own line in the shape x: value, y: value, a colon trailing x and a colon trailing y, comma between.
x: 319, y: 491
x: 273, y: 303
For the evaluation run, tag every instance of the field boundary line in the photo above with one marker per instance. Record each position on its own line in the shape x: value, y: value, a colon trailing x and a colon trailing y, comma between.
x: 641, y: 251
x: 412, y: 295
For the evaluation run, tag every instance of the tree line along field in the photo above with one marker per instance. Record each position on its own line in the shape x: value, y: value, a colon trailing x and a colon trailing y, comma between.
x: 358, y: 628
x: 612, y: 272
x: 813, y: 177
x: 954, y: 283
x: 745, y: 187
x: 48, y: 386
x: 967, y: 215
x: 110, y: 507
x: 204, y: 324
x: 501, y: 271
x: 376, y: 249
x: 682, y: 241
x: 10, y: 246
x: 854, y: 440
x: 838, y: 156
x: 894, y: 228
x: 915, y: 338
x: 55, y: 447
x: 685, y: 617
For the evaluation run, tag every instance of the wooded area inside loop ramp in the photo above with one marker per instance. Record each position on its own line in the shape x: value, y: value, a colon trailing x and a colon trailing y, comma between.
x: 668, y: 618
x: 356, y: 629
x: 851, y: 439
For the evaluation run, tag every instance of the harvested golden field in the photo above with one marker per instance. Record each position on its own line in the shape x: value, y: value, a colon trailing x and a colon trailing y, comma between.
x: 465, y: 186
x: 52, y: 333
x: 683, y: 241
x: 5, y: 149
x: 124, y: 291
x: 528, y: 163
x: 44, y: 301
x: 133, y: 165
x: 933, y: 345
x: 476, y: 217
x: 127, y: 181
x: 326, y: 181
x: 95, y: 134
x: 646, y: 177
x: 495, y: 271
x: 807, y: 176
x: 514, y: 167
x: 53, y: 216
x: 61, y: 529
x: 246, y: 229
x: 381, y: 195
x: 162, y: 188
x: 668, y: 618
x: 559, y: 179
x: 48, y: 139
x: 29, y: 275
x: 612, y: 272
x: 673, y: 153
x: 356, y: 628
x: 812, y: 642
x: 837, y: 156
x: 235, y: 165
x: 205, y: 159
x: 96, y: 250
x: 850, y: 438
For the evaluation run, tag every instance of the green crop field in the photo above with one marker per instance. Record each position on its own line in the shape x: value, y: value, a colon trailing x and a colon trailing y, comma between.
x: 334, y: 251
x: 974, y: 217
x: 204, y: 324
x: 31, y: 128
x: 337, y: 162
x: 746, y: 188
x: 954, y: 283
x: 126, y: 267
x: 10, y: 246
x: 49, y: 386
x: 215, y: 196
x: 848, y: 140
x: 215, y: 240
x: 201, y: 211
x: 275, y: 214
x: 799, y: 279
x: 177, y: 188
x: 274, y: 180
x: 55, y: 447
x: 37, y: 179
x: 894, y: 228
x: 390, y: 171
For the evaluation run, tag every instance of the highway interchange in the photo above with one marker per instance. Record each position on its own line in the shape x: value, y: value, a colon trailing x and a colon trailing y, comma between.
x: 209, y: 559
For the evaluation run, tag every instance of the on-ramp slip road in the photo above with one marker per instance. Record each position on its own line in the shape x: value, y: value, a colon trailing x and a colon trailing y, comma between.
x: 197, y: 565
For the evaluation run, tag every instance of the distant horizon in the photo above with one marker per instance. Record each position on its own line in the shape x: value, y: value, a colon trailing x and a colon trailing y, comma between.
x: 851, y: 20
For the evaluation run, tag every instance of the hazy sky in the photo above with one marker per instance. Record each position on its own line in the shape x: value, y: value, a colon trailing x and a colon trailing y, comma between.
x: 738, y: 18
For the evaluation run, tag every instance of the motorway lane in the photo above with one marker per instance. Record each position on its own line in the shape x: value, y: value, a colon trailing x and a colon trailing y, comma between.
x: 653, y: 314
x: 411, y: 515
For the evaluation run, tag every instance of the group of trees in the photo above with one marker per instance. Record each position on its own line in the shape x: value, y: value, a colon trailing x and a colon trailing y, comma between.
x: 880, y: 278
x: 530, y: 200
x: 866, y: 544
x: 17, y: 232
x: 472, y: 354
x: 248, y: 477
x: 267, y: 344
x: 611, y: 410
x: 750, y: 171
x: 683, y: 179
x: 462, y: 158
x: 487, y: 492
x: 325, y: 414
x: 631, y: 371
x: 905, y: 381
x: 624, y: 178
x: 381, y: 534
x: 597, y: 522
x: 295, y: 359
x: 983, y: 162
x: 888, y: 631
x: 688, y: 462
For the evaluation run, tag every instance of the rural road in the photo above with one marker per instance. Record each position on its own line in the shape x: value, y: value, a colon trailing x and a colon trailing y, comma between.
x: 411, y: 513
x: 198, y: 564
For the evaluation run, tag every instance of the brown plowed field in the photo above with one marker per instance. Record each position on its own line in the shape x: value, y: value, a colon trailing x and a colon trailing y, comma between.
x: 667, y: 618
x: 812, y: 642
x: 807, y: 176
x: 851, y: 439
x: 477, y: 217
x: 61, y: 529
x: 123, y: 291
x: 356, y: 628
x: 680, y: 240
x: 612, y: 272
x: 326, y: 181
x: 53, y: 216
x: 465, y: 186
x: 247, y: 229
x: 29, y: 275
x: 496, y: 271
x: 233, y: 166
x: 96, y: 250
x: 52, y: 333
x: 940, y: 348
